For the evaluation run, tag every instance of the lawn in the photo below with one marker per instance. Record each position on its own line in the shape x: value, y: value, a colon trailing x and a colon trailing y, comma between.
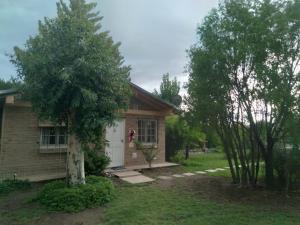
x: 200, y: 199
x: 152, y: 205
x: 196, y: 162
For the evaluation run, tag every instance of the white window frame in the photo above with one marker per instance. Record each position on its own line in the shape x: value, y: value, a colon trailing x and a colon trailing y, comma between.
x: 48, y: 148
x: 145, y: 142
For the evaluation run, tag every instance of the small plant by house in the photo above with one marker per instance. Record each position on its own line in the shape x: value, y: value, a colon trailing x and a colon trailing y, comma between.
x: 9, y: 185
x: 57, y: 196
x: 95, y: 162
x: 149, y: 152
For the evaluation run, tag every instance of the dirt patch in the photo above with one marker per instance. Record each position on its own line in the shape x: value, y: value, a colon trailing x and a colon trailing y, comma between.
x: 86, y: 217
x: 220, y: 190
x: 166, y: 171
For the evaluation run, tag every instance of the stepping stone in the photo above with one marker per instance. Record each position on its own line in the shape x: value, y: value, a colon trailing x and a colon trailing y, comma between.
x: 165, y: 177
x: 211, y: 171
x: 177, y: 175
x: 137, y: 179
x: 200, y: 172
x: 126, y: 173
x: 188, y: 174
x: 221, y: 169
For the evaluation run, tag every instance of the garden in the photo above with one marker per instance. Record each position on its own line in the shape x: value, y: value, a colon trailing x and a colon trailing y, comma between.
x: 200, y: 199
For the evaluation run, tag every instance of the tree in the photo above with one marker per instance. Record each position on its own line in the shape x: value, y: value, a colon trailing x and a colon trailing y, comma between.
x: 169, y: 90
x: 244, y: 80
x: 9, y: 84
x: 179, y: 134
x: 74, y: 75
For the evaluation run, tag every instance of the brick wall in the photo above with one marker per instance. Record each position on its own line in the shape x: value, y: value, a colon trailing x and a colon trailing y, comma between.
x: 19, y: 151
x: 134, y: 156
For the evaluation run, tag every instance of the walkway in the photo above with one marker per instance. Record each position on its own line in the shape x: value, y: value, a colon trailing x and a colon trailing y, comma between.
x: 135, y: 177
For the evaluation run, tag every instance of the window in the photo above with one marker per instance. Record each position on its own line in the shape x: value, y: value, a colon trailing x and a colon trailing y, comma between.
x: 147, y: 131
x: 53, y: 137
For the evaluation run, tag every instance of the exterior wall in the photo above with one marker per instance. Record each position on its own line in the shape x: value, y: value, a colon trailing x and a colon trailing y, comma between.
x: 132, y: 155
x: 20, y: 151
x: 20, y: 136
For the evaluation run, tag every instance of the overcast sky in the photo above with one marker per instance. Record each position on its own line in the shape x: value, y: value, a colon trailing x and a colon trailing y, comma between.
x: 155, y: 34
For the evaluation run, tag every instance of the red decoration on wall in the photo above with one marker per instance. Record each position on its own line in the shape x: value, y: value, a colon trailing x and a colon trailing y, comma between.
x: 131, y: 135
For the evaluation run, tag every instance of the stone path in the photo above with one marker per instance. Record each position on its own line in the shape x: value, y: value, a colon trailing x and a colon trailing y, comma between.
x: 135, y: 177
x: 132, y: 177
x: 192, y: 173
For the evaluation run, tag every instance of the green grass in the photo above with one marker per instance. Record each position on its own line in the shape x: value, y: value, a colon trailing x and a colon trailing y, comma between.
x: 179, y: 203
x: 22, y: 215
x: 207, y: 161
x: 7, y: 186
x: 138, y: 205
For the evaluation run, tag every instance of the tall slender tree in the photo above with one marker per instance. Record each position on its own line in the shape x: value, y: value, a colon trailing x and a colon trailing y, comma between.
x: 74, y: 75
x: 244, y: 79
x: 169, y: 90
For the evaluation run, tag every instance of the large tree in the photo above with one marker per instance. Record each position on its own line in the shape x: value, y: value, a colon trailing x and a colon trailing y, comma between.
x: 74, y: 75
x: 169, y: 90
x: 244, y: 79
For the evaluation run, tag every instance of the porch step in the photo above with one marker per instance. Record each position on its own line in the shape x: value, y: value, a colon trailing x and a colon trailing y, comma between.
x: 137, y: 179
x: 128, y: 173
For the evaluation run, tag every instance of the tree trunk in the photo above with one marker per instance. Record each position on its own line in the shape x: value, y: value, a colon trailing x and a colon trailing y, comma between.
x: 187, y: 152
x: 269, y: 170
x: 75, y: 162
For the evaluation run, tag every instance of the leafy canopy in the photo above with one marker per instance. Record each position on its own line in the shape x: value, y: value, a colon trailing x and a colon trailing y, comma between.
x: 244, y: 77
x: 73, y: 71
x: 169, y: 90
x: 9, y: 84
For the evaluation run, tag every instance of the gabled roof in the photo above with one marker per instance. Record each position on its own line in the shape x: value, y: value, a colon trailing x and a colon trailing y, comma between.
x: 7, y: 92
x: 154, y: 97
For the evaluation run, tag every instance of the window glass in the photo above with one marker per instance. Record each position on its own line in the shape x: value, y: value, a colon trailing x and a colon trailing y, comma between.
x: 53, y: 136
x: 147, y: 131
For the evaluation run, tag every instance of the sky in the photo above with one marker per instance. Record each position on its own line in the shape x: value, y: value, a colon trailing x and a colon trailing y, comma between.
x: 154, y: 34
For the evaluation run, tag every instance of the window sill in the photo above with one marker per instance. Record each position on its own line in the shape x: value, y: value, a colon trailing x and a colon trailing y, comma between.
x: 149, y: 145
x: 53, y: 149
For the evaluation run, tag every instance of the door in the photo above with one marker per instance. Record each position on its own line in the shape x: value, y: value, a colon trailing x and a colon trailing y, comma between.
x: 115, y: 149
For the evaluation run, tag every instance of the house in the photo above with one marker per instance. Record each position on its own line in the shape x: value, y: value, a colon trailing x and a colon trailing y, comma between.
x: 36, y: 150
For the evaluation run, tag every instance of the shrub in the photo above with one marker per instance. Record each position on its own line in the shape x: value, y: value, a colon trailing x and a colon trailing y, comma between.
x: 179, y: 158
x: 179, y: 134
x: 56, y: 196
x: 95, y: 162
x: 149, y: 152
x: 7, y: 186
x: 287, y: 167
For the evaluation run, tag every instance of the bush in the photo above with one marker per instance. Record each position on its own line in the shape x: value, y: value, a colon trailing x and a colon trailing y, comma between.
x: 179, y: 134
x: 287, y: 167
x: 7, y: 186
x: 95, y: 163
x: 56, y: 196
x: 179, y: 158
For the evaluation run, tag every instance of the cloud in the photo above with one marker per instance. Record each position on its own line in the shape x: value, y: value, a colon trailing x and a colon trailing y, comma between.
x: 154, y: 33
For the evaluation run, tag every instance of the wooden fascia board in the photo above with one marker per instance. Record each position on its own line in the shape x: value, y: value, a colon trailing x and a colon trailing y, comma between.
x: 147, y: 112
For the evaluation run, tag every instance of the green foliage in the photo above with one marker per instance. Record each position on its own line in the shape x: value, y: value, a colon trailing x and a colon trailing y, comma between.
x: 56, y: 196
x: 179, y: 133
x: 287, y: 166
x: 169, y: 90
x: 149, y: 151
x: 73, y: 71
x: 178, y: 158
x: 95, y: 162
x: 244, y: 82
x: 9, y: 84
x: 7, y: 186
